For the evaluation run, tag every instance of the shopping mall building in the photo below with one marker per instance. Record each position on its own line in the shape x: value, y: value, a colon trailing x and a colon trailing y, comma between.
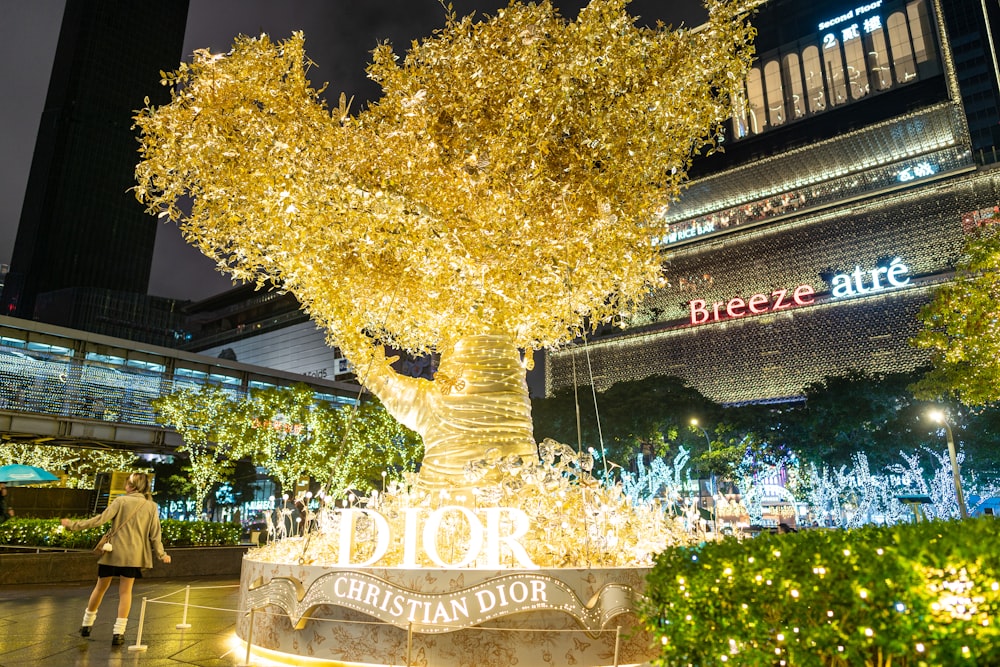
x: 865, y: 155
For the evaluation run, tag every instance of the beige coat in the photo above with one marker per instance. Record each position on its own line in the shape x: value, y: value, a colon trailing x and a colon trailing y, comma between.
x: 137, y: 538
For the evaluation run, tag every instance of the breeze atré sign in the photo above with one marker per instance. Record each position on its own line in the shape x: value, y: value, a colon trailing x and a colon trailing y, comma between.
x: 858, y: 282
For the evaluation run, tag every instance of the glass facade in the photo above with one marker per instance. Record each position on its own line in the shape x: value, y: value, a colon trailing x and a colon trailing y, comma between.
x: 49, y: 373
x: 869, y: 50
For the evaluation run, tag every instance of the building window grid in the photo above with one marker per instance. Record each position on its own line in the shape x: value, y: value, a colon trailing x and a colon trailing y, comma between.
x: 889, y: 142
x: 807, y: 197
x: 841, y: 70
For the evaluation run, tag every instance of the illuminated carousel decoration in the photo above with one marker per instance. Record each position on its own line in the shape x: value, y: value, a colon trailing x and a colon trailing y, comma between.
x: 503, y: 192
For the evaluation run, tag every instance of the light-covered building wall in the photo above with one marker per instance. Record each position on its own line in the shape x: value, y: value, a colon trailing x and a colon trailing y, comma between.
x: 299, y: 348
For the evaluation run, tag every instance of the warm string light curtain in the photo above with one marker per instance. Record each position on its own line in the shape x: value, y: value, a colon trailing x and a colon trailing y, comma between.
x: 478, y: 401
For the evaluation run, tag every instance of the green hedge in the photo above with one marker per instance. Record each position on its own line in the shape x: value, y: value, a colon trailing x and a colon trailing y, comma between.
x: 200, y: 533
x: 48, y: 533
x: 911, y: 595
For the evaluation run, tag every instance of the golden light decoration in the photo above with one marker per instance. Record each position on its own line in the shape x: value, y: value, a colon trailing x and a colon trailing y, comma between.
x: 507, y: 183
x: 575, y: 521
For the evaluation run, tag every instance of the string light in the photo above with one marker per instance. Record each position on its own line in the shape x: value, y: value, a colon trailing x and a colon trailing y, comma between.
x: 595, y: 524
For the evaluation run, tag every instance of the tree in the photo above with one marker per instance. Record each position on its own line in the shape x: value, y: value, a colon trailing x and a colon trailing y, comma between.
x: 962, y: 328
x: 375, y: 449
x: 79, y: 466
x: 291, y: 435
x: 507, y: 188
x: 173, y: 486
x: 857, y: 412
x: 285, y: 431
x: 199, y: 417
x: 655, y: 411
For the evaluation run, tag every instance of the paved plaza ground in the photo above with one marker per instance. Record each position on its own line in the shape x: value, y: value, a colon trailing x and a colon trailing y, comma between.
x: 40, y: 624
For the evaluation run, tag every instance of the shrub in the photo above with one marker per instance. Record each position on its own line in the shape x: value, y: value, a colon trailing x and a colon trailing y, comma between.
x: 48, y: 533
x: 200, y: 533
x: 909, y: 595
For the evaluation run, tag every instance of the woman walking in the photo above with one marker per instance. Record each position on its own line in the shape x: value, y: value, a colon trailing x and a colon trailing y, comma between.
x: 136, y: 534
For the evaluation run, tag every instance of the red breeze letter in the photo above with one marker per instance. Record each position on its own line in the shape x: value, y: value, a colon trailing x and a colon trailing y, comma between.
x: 804, y: 295
x: 698, y: 313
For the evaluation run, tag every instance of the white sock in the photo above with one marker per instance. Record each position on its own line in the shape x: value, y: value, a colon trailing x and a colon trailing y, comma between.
x: 88, y: 617
x: 119, y: 628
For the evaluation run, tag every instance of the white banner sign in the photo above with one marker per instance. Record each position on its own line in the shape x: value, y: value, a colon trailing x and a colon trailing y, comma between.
x: 441, y: 612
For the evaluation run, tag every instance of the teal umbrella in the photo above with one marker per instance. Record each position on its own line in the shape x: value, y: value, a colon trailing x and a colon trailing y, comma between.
x: 22, y: 474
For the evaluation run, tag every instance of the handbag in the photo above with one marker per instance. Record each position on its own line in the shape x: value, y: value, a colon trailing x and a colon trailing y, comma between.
x: 104, y: 544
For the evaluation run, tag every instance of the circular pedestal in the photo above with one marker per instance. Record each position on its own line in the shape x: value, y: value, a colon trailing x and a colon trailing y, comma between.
x: 440, y: 617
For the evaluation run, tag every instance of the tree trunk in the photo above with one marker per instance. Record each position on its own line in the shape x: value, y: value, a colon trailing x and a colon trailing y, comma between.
x: 476, y: 407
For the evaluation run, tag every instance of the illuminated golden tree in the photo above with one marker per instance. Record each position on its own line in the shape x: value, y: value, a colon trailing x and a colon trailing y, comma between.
x: 507, y: 188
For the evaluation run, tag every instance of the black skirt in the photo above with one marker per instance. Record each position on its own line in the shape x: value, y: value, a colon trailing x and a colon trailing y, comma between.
x: 117, y: 571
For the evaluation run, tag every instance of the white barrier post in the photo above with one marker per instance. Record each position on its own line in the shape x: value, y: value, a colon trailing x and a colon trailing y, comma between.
x: 139, y: 646
x: 618, y: 636
x: 184, y: 625
x: 246, y: 661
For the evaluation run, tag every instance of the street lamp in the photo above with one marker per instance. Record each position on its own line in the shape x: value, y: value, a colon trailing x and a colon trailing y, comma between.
x: 715, y: 522
x: 694, y: 422
x: 938, y: 416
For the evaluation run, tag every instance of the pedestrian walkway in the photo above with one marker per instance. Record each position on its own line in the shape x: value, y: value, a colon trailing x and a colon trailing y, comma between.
x: 40, y: 625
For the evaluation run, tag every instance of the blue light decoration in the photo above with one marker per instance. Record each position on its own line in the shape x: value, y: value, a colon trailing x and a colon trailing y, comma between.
x: 917, y: 171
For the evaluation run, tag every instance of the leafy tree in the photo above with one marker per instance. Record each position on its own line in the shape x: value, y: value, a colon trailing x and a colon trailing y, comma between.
x: 286, y: 431
x: 979, y: 437
x: 655, y: 411
x: 79, y: 466
x: 291, y: 435
x: 244, y: 482
x: 375, y: 449
x: 559, y: 141
x: 173, y: 484
x: 199, y: 417
x: 728, y: 449
x: 857, y: 412
x: 962, y: 328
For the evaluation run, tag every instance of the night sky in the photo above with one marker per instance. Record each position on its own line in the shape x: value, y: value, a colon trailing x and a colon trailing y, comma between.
x: 340, y: 35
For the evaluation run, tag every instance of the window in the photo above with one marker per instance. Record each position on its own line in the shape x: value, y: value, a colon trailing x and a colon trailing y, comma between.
x: 755, y: 96
x: 775, y: 98
x: 815, y: 91
x: 834, y: 68
x: 903, y: 65
x: 857, y: 72
x: 793, y: 86
x: 878, y: 61
x: 920, y: 30
x: 740, y: 127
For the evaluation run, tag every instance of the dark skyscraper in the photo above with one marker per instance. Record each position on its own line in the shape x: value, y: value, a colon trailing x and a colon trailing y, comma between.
x: 80, y: 227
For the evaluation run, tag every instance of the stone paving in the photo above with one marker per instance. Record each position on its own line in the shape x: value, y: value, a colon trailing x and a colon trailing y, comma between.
x: 40, y: 624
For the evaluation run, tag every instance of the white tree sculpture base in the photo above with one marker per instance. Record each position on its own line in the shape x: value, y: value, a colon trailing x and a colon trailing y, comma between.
x: 444, y: 617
